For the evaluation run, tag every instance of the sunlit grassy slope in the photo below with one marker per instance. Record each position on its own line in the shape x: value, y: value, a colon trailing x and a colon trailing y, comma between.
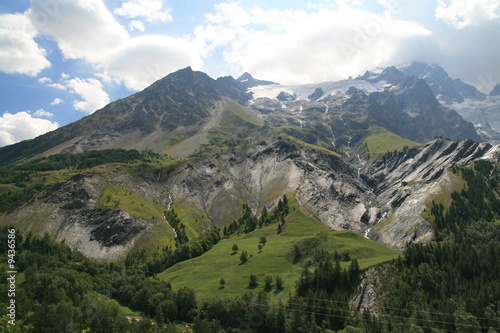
x: 380, y: 141
x: 276, y: 258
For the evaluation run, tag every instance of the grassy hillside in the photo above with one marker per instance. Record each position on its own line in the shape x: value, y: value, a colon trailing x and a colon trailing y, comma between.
x: 380, y: 141
x: 277, y: 257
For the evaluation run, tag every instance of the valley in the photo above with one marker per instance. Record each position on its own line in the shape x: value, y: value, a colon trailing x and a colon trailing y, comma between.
x: 202, y: 201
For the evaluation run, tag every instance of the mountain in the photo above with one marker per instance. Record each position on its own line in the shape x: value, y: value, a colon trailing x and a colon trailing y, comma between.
x: 471, y: 104
x: 246, y: 81
x: 184, y: 104
x: 279, y: 208
x: 342, y: 112
x: 496, y: 90
x: 445, y: 88
x: 247, y: 141
x: 187, y: 111
x: 336, y: 193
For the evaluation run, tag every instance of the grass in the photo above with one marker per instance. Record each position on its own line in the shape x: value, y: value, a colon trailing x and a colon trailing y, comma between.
x: 170, y: 142
x: 127, y: 312
x: 384, y: 223
x: 120, y: 197
x: 443, y: 197
x: 310, y: 146
x: 276, y: 258
x: 381, y: 141
x: 193, y: 218
x: 235, y: 126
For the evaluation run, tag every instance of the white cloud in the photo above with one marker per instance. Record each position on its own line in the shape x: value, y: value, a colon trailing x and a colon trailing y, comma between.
x: 83, y: 29
x: 87, y: 30
x: 145, y: 59
x: 57, y: 101
x: 463, y: 13
x: 136, y: 25
x: 229, y: 14
x: 43, y: 113
x: 57, y: 86
x: 91, y: 91
x: 44, y: 80
x: 151, y: 10
x: 19, y: 53
x: 296, y: 46
x: 22, y: 126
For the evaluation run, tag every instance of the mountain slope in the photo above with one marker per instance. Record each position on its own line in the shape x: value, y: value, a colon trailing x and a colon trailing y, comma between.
x: 342, y: 115
x: 180, y: 105
x: 471, y: 104
x: 110, y: 209
x: 276, y: 258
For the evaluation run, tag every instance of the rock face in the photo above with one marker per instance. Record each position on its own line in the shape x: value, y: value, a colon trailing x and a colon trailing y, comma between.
x: 445, y: 88
x: 383, y: 201
x: 323, y: 183
x: 405, y: 184
x: 180, y: 104
x: 496, y: 90
x: 67, y: 212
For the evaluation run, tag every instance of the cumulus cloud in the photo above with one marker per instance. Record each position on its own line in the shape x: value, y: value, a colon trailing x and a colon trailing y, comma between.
x: 43, y: 113
x: 19, y: 53
x: 44, y: 80
x: 463, y: 13
x: 87, y: 30
x: 22, y: 126
x: 57, y: 101
x: 145, y: 59
x: 297, y: 46
x: 83, y: 29
x: 151, y: 10
x: 92, y: 93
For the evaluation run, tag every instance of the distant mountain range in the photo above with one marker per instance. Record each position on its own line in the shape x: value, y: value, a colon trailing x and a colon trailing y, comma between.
x: 252, y: 141
x: 178, y: 114
x: 203, y: 192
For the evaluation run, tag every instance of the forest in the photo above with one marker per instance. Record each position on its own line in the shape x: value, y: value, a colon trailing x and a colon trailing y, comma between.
x: 449, y: 285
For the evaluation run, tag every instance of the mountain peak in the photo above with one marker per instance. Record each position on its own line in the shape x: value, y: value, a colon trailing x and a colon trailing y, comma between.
x: 496, y: 90
x: 443, y: 86
x: 248, y: 81
x: 245, y: 77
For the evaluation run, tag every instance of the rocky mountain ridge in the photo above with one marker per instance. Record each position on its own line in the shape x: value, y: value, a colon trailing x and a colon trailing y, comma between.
x: 188, y: 103
x: 383, y: 201
x: 324, y: 144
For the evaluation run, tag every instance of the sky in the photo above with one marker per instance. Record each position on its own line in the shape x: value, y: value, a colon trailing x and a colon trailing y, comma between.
x: 61, y: 60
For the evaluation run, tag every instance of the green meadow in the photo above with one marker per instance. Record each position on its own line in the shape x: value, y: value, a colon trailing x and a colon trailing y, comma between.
x: 276, y: 258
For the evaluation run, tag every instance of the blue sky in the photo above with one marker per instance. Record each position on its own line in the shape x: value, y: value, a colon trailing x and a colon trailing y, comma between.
x: 61, y: 60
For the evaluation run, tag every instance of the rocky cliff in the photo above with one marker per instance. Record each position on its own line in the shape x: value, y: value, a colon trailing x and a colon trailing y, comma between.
x: 107, y: 211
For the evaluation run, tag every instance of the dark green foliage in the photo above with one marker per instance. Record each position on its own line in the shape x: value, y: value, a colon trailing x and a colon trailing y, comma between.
x: 252, y: 281
x: 21, y: 176
x: 268, y: 280
x: 180, y: 228
x: 244, y: 257
x: 453, y: 284
x: 279, y: 283
x: 159, y: 261
x: 248, y: 222
x: 68, y: 293
x: 29, y: 148
x: 87, y: 159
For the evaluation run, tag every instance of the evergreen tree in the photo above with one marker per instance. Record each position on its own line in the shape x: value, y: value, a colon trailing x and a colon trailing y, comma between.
x: 244, y: 257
